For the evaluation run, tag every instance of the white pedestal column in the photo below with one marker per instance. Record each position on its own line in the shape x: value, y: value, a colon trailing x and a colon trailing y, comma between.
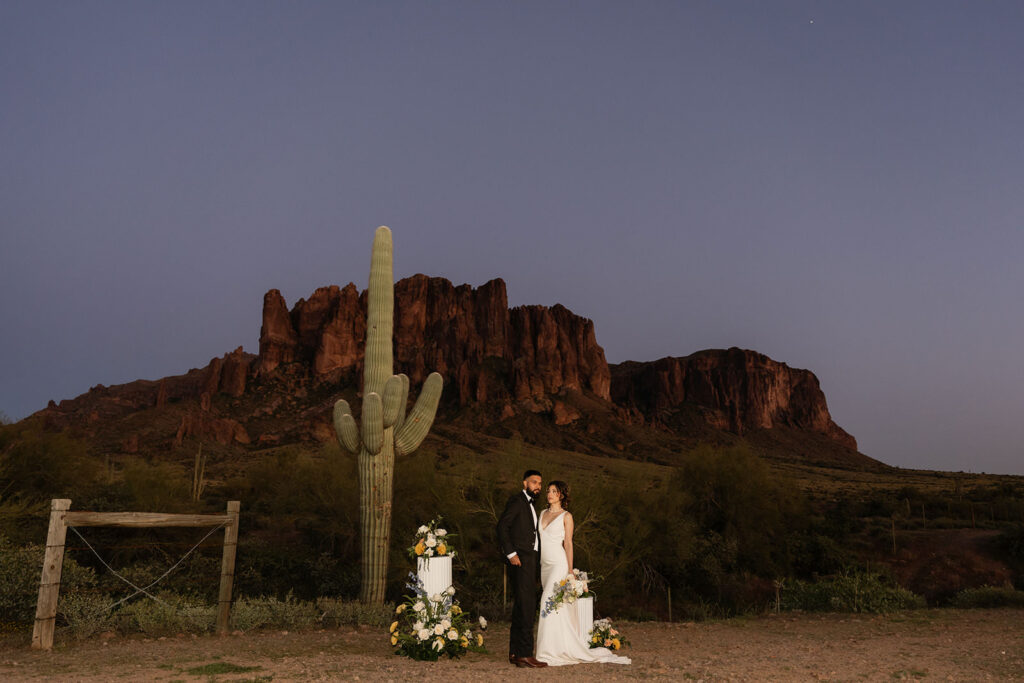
x: 435, y: 573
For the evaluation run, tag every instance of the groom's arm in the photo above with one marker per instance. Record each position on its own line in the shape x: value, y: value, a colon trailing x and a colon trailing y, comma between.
x: 505, y: 522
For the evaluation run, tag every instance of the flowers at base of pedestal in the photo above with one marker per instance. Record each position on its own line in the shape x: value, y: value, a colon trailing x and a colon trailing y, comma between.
x: 570, y: 589
x: 604, y: 635
x: 432, y: 540
x: 430, y: 627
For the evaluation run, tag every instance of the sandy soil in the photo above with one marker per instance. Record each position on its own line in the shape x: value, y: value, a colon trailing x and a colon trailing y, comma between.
x: 967, y: 645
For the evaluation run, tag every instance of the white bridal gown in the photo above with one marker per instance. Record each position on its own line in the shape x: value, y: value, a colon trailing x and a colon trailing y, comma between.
x: 558, y: 640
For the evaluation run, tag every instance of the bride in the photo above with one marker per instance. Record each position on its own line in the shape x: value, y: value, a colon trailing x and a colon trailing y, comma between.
x: 558, y: 639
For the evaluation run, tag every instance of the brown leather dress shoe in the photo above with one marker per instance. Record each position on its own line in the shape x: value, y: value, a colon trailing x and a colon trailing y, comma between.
x: 518, y: 661
x: 535, y: 663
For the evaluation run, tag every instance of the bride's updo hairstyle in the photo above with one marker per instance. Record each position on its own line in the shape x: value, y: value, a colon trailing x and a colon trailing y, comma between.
x: 563, y: 492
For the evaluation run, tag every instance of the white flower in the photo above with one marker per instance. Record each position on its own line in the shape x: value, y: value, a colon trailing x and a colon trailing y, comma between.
x: 429, y: 553
x: 441, y: 532
x: 436, y: 597
x: 423, y: 634
x: 438, y: 644
x: 483, y: 623
x: 446, y: 623
x: 450, y: 590
x: 453, y: 634
x: 417, y: 626
x: 419, y: 606
x: 431, y: 541
x: 422, y: 530
x: 438, y: 630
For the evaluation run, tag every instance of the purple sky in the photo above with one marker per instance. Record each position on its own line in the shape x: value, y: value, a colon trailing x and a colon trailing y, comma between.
x: 837, y: 185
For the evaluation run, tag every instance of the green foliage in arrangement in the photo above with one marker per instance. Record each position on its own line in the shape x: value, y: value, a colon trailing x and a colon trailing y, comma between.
x: 850, y: 592
x: 989, y: 596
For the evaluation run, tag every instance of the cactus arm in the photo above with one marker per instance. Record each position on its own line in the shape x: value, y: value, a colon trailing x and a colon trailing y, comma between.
x: 412, y: 432
x: 345, y: 427
x: 403, y: 400
x: 373, y: 423
x: 392, y: 396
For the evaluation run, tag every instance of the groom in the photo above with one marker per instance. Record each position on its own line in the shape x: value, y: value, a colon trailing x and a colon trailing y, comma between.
x: 520, y: 542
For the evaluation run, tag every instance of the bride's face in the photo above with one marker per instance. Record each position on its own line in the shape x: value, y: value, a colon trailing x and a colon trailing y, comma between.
x: 553, y: 495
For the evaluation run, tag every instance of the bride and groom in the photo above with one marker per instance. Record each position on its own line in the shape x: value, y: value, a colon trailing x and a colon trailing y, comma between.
x: 528, y: 540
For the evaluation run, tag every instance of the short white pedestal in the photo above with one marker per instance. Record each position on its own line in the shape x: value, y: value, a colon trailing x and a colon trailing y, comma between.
x: 585, y: 618
x: 435, y: 573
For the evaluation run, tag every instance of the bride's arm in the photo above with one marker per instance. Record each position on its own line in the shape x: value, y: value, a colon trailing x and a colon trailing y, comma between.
x: 567, y: 543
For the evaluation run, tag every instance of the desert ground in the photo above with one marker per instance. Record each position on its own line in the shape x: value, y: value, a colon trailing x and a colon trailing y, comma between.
x: 957, y: 645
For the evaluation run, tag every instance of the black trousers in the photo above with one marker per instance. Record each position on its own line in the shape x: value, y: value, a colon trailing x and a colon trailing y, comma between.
x: 524, y: 604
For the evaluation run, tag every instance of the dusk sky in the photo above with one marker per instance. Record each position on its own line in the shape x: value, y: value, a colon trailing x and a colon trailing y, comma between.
x: 838, y: 185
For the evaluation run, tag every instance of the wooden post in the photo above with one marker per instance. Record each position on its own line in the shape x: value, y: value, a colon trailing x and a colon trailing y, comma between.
x: 49, y: 582
x: 227, y: 568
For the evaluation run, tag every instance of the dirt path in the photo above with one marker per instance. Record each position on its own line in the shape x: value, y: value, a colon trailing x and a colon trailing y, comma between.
x: 967, y: 645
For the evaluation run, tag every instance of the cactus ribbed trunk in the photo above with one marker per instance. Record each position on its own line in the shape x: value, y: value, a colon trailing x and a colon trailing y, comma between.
x: 376, y: 472
x: 385, y: 428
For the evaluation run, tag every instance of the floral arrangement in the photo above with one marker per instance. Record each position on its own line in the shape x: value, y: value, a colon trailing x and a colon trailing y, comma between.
x: 427, y: 627
x: 432, y: 540
x: 603, y: 635
x: 569, y: 590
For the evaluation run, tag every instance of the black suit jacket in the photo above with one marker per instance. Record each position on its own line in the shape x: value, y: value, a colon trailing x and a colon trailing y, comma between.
x: 516, y: 529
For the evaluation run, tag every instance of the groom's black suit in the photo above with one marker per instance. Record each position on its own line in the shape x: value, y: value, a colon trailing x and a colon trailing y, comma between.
x: 517, y: 533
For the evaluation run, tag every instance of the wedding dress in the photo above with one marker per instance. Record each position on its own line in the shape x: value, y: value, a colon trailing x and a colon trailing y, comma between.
x: 558, y: 639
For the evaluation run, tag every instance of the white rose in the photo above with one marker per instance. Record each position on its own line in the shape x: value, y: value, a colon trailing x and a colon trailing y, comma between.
x: 483, y: 623
x: 450, y: 590
x: 422, y: 530
x: 453, y: 634
x: 431, y: 541
x: 438, y: 630
x: 423, y: 634
x: 436, y: 597
x: 419, y: 606
x: 417, y: 626
x: 441, y: 532
x: 446, y: 623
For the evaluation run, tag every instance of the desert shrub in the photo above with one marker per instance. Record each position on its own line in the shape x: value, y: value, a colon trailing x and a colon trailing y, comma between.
x: 84, y: 613
x: 989, y: 596
x: 850, y: 592
x: 254, y: 613
x: 20, y: 570
x: 173, y: 614
x: 334, y: 612
x: 1010, y: 546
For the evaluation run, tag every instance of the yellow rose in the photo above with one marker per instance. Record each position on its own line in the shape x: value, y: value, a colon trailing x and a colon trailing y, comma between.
x: 594, y: 639
x: 463, y: 642
x: 616, y: 644
x: 442, y: 549
x: 394, y: 639
x: 394, y: 625
x: 400, y: 608
x: 456, y: 609
x: 479, y: 640
x: 420, y: 547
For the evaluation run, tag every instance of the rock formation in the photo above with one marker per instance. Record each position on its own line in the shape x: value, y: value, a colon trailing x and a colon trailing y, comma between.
x: 736, y: 390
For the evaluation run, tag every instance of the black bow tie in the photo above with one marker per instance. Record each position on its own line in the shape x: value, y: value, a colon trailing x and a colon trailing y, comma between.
x: 529, y: 497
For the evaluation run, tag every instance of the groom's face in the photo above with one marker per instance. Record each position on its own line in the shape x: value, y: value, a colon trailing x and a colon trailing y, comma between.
x: 532, y: 485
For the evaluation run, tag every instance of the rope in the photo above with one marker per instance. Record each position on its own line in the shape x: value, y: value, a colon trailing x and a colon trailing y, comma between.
x: 144, y: 590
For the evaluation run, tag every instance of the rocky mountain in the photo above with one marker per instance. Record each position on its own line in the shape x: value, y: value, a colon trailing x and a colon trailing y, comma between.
x: 498, y: 363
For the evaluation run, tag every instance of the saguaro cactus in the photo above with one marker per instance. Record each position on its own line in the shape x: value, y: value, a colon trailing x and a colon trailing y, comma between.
x: 386, y: 429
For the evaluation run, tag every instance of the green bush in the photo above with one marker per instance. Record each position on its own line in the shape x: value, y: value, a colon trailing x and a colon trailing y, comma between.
x: 174, y: 614
x: 989, y: 596
x: 248, y: 614
x: 334, y: 612
x: 20, y: 570
x: 851, y: 592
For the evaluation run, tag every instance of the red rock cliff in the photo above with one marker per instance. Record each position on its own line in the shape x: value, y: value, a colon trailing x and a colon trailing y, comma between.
x: 483, y: 349
x: 738, y: 391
